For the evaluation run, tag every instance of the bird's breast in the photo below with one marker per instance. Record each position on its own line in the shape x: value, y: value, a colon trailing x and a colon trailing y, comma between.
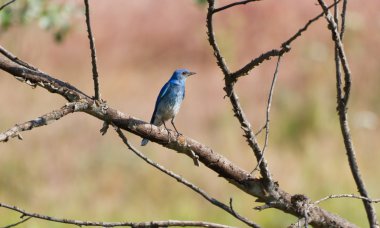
x: 170, y: 104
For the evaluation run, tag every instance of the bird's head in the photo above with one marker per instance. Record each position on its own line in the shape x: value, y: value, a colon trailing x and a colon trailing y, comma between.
x: 181, y: 74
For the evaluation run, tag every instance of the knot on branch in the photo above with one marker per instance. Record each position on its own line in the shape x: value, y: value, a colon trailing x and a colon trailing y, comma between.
x: 300, y: 203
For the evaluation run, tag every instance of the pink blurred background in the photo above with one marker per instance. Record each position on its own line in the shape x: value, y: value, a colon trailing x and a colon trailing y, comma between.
x: 67, y: 169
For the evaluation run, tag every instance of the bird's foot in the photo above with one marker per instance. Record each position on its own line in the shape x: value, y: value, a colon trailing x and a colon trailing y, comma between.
x: 179, y: 135
x: 169, y: 136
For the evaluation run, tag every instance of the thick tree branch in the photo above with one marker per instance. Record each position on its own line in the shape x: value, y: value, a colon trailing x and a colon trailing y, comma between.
x: 342, y: 100
x: 113, y: 224
x: 213, y: 160
x: 95, y: 74
x: 42, y: 120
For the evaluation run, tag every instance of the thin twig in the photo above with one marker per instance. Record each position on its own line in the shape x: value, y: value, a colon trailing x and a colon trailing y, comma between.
x: 17, y: 223
x: 347, y: 196
x: 6, y: 4
x: 342, y: 112
x: 15, y: 59
x: 234, y: 4
x: 183, y: 181
x: 95, y: 74
x: 269, y: 104
x: 343, y: 15
x: 285, y: 47
x: 113, y: 224
x: 338, y: 72
x: 41, y: 121
x: 306, y: 26
x: 336, y: 37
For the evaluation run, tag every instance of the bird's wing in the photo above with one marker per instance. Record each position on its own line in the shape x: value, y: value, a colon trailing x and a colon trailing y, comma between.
x: 162, y: 93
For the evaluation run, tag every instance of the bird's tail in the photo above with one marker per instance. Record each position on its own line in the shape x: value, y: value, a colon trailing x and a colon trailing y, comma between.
x: 144, y: 142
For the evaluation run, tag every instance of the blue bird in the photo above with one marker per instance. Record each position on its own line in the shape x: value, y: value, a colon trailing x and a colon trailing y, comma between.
x: 169, y: 100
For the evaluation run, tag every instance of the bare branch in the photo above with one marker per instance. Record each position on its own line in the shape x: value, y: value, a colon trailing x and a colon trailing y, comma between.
x: 336, y: 38
x: 41, y: 121
x: 340, y: 60
x: 269, y: 104
x: 285, y: 47
x: 238, y: 111
x: 233, y: 4
x: 211, y: 38
x: 343, y: 15
x: 95, y: 74
x: 15, y: 59
x: 6, y: 4
x: 184, y: 181
x: 113, y: 224
x: 353, y: 196
x: 347, y: 196
x: 209, y: 157
x: 17, y: 223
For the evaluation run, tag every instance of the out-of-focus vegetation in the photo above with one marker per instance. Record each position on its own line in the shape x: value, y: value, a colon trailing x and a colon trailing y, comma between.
x: 67, y: 169
x: 52, y: 16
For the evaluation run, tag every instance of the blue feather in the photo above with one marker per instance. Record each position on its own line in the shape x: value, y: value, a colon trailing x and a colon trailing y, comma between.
x: 169, y: 99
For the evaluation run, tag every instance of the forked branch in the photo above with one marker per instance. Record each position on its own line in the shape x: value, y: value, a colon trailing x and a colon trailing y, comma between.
x: 342, y: 101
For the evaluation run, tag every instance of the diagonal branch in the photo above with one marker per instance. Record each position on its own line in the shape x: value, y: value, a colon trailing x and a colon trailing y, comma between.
x: 185, y: 182
x: 269, y: 104
x: 17, y: 223
x: 342, y: 100
x: 95, y: 74
x: 285, y: 47
x: 6, y: 4
x: 42, y: 120
x: 15, y: 59
x: 209, y: 157
x: 113, y: 224
x: 233, y: 4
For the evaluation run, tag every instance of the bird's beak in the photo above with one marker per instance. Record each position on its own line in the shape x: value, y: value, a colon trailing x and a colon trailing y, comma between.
x: 190, y: 73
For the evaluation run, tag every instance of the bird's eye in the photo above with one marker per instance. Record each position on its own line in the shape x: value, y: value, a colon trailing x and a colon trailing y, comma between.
x: 184, y: 73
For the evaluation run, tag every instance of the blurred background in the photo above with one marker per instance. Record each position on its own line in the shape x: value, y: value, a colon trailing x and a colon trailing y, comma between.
x: 67, y: 169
